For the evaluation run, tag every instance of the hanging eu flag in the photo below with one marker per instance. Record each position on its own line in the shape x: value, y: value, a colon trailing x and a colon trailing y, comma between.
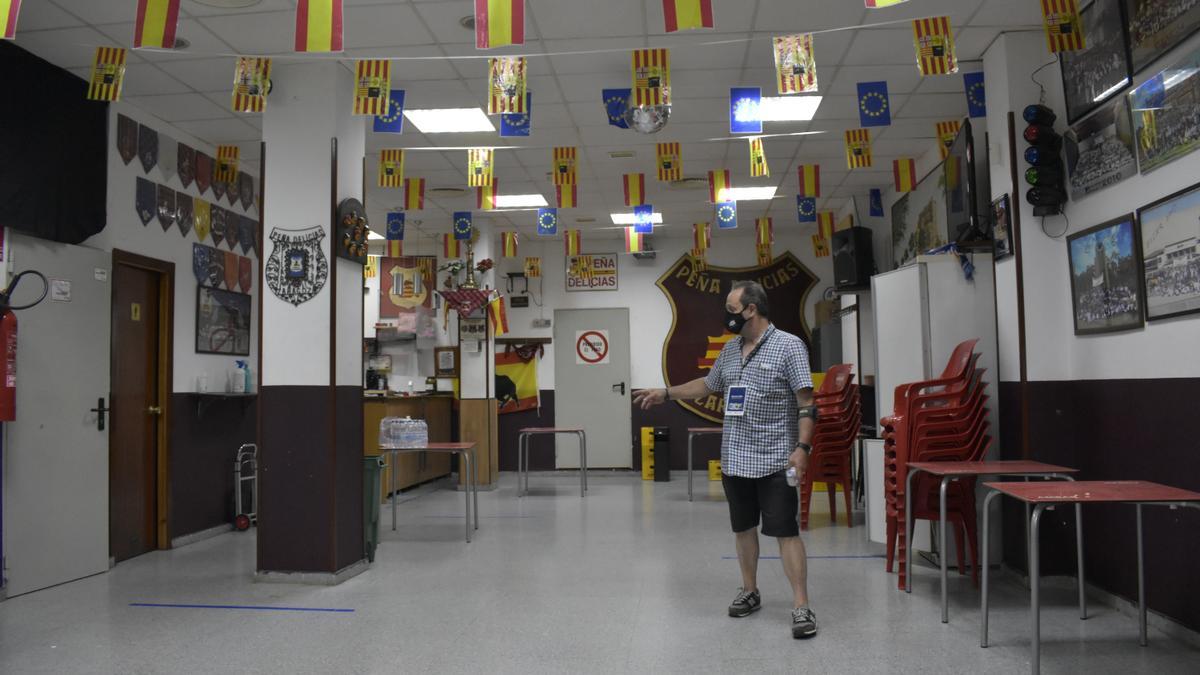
x: 462, y: 225
x: 744, y: 115
x: 806, y: 209
x: 876, y: 203
x: 547, y: 222
x: 727, y: 215
x: 615, y: 102
x: 393, y: 121
x: 517, y: 124
x: 643, y: 219
x: 976, y: 94
x: 874, y: 108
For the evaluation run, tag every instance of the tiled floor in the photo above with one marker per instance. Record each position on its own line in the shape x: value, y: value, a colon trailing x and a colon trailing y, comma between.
x: 632, y: 579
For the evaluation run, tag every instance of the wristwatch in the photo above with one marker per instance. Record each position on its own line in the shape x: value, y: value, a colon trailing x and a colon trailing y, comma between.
x: 805, y: 447
x: 667, y: 393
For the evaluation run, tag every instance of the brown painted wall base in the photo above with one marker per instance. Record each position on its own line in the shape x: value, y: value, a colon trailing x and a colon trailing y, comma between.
x: 206, y: 432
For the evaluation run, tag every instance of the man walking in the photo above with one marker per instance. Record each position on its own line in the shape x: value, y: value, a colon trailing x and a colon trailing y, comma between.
x: 764, y: 376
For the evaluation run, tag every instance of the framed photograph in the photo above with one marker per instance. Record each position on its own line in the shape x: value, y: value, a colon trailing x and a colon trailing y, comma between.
x: 1156, y: 26
x: 222, y: 322
x: 1170, y: 229
x: 445, y: 361
x: 1100, y: 150
x: 1164, y: 111
x: 1106, y: 277
x: 1092, y: 76
x: 1002, y: 224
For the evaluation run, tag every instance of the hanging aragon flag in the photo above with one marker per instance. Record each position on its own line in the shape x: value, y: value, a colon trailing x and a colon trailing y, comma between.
x: 699, y: 262
x: 1064, y: 29
x: 251, y: 78
x: 758, y: 159
x: 934, y: 42
x: 226, y: 168
x: 564, y: 171
x: 508, y: 244
x: 635, y: 188
x: 651, y: 77
x: 858, y: 148
x: 506, y: 85
x: 670, y: 162
x: 820, y: 246
x: 155, y: 24
x: 499, y: 23
x: 904, y: 173
x: 795, y: 65
x: 568, y: 196
x: 701, y: 237
x: 634, y: 242
x: 764, y: 254
x: 485, y: 196
x: 946, y: 133
x: 108, y: 73
x: 573, y: 242
x: 687, y: 14
x: 414, y: 194
x: 372, y: 87
x: 479, y: 167
x: 533, y: 267
x: 498, y: 317
x: 319, y: 26
x: 391, y: 168
x: 718, y: 183
x: 9, y: 9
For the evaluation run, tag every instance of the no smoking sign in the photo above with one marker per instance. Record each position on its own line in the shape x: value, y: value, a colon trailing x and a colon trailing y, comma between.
x: 591, y: 347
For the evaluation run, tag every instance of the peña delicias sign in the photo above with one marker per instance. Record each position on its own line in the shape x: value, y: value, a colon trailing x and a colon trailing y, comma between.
x: 698, y: 305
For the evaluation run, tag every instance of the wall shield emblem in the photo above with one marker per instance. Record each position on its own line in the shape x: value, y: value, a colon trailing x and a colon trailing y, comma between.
x: 202, y: 214
x: 219, y: 222
x: 201, y: 261
x: 185, y: 164
x: 166, y: 207
x: 297, y: 269
x: 204, y: 168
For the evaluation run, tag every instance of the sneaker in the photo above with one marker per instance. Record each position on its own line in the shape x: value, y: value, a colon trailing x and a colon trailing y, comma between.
x: 745, y: 603
x: 804, y: 623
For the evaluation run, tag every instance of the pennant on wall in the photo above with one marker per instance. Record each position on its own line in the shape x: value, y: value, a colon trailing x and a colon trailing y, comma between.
x: 533, y: 267
x: 451, y: 246
x: 155, y: 24
x: 226, y: 168
x: 758, y: 159
x: 718, y: 183
x: 395, y: 234
x: 547, y: 222
x: 567, y: 196
x: 518, y: 124
x: 806, y: 209
x: 185, y: 164
x: 391, y: 168
x: 701, y: 237
x: 634, y: 242
x: 876, y: 201
x: 499, y: 23
x: 147, y: 147
x: 319, y: 26
x: 219, y: 222
x: 166, y: 207
x: 127, y: 137
x: 874, y: 106
x: 246, y: 189
x: 946, y: 133
x: 810, y: 180
x: 168, y: 156
x: 479, y: 167
x: 1064, y: 29
x: 506, y: 85
x: 564, y: 171
x: 934, y: 43
x: 392, y: 120
x: 414, y: 194
x: 185, y: 218
x: 108, y: 74
x: 9, y: 9
x: 508, y: 244
x: 251, y: 79
x: 245, y: 276
x: 670, y: 162
x: 904, y: 173
x: 687, y: 14
x: 145, y: 200
x: 202, y: 215
x: 616, y: 101
x: 233, y: 229
x: 635, y: 188
x: 372, y: 87
x: 463, y: 227
x: 204, y: 171
x: 247, y: 233
x: 795, y: 65
x: 643, y: 219
x: 231, y: 269
x: 727, y: 215
x: 485, y: 196
x: 858, y: 148
x: 573, y: 242
x: 651, y: 77
x: 976, y: 94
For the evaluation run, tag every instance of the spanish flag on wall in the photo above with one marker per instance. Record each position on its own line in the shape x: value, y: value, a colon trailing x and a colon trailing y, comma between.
x: 670, y: 163
x: 319, y: 25
x: 701, y: 237
x: 508, y: 244
x: 718, y: 183
x: 251, y: 79
x: 506, y: 85
x: 479, y: 167
x: 564, y: 172
x: 567, y: 195
x: 633, y: 240
x: 876, y: 4
x: 9, y: 9
x: 226, y: 168
x: 795, y: 65
x: 810, y: 180
x: 1064, y: 29
x: 858, y: 148
x: 758, y: 159
x: 497, y: 316
x: 108, y: 73
x: 946, y: 133
x: 372, y: 87
x: 451, y: 247
x: 485, y: 196
x: 635, y: 188
x: 573, y: 241
x: 523, y: 375
x: 499, y: 23
x: 414, y: 194
x: 651, y: 77
x: 687, y: 14
x: 904, y: 172
x: 825, y: 225
x: 934, y: 43
x: 533, y: 267
x: 391, y: 168
x: 155, y: 23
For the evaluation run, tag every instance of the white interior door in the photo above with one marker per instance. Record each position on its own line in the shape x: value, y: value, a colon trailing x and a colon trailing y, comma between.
x: 55, y: 456
x: 591, y: 386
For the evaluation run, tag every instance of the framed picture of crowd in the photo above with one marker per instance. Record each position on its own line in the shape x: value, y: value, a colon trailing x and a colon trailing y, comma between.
x: 1155, y: 26
x: 1092, y: 76
x: 1166, y: 113
x: 1170, y: 232
x: 1106, y: 277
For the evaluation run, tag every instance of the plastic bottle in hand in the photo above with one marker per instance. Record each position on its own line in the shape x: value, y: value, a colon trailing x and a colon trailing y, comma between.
x: 791, y: 476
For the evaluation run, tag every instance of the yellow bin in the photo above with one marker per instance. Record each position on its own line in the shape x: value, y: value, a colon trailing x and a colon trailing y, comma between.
x: 647, y: 453
x: 714, y: 469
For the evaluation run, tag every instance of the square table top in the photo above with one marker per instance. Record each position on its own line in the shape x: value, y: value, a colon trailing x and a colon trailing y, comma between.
x: 449, y: 447
x: 705, y: 430
x: 1014, y: 467
x: 550, y: 430
x: 1094, y: 492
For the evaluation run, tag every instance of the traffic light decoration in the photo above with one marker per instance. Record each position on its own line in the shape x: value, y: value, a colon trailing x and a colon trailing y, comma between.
x: 1046, y: 174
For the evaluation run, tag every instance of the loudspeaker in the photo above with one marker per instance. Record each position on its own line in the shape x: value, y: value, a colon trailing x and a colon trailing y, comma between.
x: 853, y: 258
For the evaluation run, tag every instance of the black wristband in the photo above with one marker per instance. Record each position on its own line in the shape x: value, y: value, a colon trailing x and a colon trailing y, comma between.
x: 667, y: 393
x: 805, y: 447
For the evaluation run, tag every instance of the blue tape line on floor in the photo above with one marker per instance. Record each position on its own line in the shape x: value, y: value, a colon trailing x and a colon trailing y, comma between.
x: 264, y: 608
x: 813, y: 557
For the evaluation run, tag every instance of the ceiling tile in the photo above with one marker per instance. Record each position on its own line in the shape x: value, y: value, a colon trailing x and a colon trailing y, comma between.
x: 229, y: 130
x: 66, y: 47
x: 202, y: 74
x: 384, y: 25
x: 43, y: 16
x: 177, y: 107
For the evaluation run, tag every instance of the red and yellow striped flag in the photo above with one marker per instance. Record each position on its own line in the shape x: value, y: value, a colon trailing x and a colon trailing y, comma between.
x: 758, y: 159
x: 485, y: 196
x: 319, y: 26
x: 651, y: 77
x: 876, y: 4
x: 371, y: 269
x: 498, y: 316
x: 414, y: 194
x: 564, y: 171
x: 635, y: 188
x: 904, y: 173
x: 499, y: 23
x: 391, y: 168
x: 764, y: 231
x: 108, y: 73
x: 479, y: 167
x: 699, y: 262
x: 372, y: 87
x: 506, y: 85
x: 634, y: 243
x: 451, y: 247
x: 251, y: 79
x: 155, y: 24
x: 533, y: 267
x: 763, y: 253
x: 670, y: 162
x: 810, y: 180
x: 825, y: 225
x: 718, y: 183
x: 1064, y: 29
x: 858, y: 148
x: 820, y: 246
x: 946, y: 133
x: 226, y: 168
x: 568, y: 196
x: 508, y: 244
x: 395, y: 248
x: 701, y: 237
x: 934, y: 42
x: 9, y: 9
x: 687, y: 14
x: 573, y: 241
x: 795, y: 65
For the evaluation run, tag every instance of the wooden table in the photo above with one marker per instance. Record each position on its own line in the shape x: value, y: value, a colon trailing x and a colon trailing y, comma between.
x: 523, y: 437
x: 952, y: 471
x: 693, y: 432
x: 467, y: 452
x: 1043, y: 496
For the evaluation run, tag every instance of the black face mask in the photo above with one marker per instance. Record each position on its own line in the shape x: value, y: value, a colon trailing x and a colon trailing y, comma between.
x: 734, y: 321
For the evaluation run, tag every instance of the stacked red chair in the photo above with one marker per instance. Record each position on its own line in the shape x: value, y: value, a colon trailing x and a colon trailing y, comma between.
x: 839, y: 416
x: 944, y: 419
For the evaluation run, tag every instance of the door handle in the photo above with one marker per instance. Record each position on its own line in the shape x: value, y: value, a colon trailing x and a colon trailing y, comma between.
x: 154, y: 410
x: 100, y: 410
x: 621, y: 386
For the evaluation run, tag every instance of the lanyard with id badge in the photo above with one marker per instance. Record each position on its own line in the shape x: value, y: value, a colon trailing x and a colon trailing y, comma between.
x: 735, y: 396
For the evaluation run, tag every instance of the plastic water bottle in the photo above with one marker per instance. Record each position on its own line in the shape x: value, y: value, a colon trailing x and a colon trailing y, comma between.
x: 791, y: 476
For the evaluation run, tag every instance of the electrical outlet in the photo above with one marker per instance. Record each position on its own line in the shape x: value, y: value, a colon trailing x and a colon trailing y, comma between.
x: 541, y: 323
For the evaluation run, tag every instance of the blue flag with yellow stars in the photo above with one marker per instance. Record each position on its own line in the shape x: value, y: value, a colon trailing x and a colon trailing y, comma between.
x: 462, y: 225
x: 615, y: 103
x: 517, y: 124
x: 393, y: 121
x: 643, y: 219
x: 727, y: 215
x: 806, y: 209
x: 547, y: 222
x: 976, y: 94
x: 874, y: 108
x: 876, y: 203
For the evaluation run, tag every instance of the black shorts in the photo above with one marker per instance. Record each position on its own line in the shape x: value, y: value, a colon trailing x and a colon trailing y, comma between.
x: 770, y: 497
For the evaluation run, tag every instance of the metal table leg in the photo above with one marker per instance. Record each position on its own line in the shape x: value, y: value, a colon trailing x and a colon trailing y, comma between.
x: 1035, y: 608
x: 521, y: 459
x: 392, y: 459
x: 1141, y: 581
x: 907, y: 532
x: 1078, y: 552
x: 945, y: 547
x: 466, y: 460
x: 983, y: 602
x: 582, y: 464
x: 475, y: 483
x: 691, y: 437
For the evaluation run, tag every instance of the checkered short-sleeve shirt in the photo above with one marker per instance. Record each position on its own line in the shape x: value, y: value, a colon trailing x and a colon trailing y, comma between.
x: 759, y: 442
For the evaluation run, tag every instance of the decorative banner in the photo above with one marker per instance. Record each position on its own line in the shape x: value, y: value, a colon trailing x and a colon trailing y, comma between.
x: 451, y: 246
x: 635, y: 188
x: 820, y: 246
x: 876, y: 200
x: 874, y: 106
x: 758, y: 159
x: 372, y: 87
x: 185, y: 218
x: 701, y: 237
x: 147, y: 147
x: 204, y: 169
x: 564, y: 171
x: 371, y: 269
x: 763, y: 254
x: 318, y: 29
x: 597, y: 272
x: 165, y: 207
x: 976, y: 94
x: 573, y: 242
x: 806, y: 209
x: 216, y: 268
x: 226, y: 168
x: 201, y: 263
x: 633, y: 240
x: 251, y: 80
x: 651, y: 77
x: 414, y: 194
x: 699, y: 262
x: 127, y: 137
x: 810, y: 180
x: 219, y: 221
x: 567, y: 196
x: 876, y: 4
x: 745, y: 115
x: 245, y: 277
x: 395, y: 234
x: 825, y: 225
x: 499, y: 23
x: 108, y: 74
x: 297, y: 269
x: 934, y: 43
x: 485, y: 196
x: 246, y: 189
x: 231, y: 190
x: 168, y: 156
x: 497, y: 316
x: 670, y: 162
x: 616, y: 101
x: 718, y: 183
x: 946, y: 133
x: 643, y: 218
x: 218, y: 185
x: 202, y: 214
x: 727, y: 215
x: 547, y: 222
x: 391, y: 168
x: 479, y: 167
x: 858, y: 148
x: 232, y: 269
x: 508, y: 244
x: 391, y: 121
x: 696, y: 298
x: 9, y: 10
x: 533, y: 267
x: 1064, y: 29
x: 795, y: 65
x: 506, y: 85
x: 518, y: 124
x: 516, y: 381
x: 904, y: 173
x: 247, y: 233
x: 185, y: 164
x: 145, y: 200
x: 406, y: 290
x: 764, y: 231
x: 463, y: 227
x: 687, y: 14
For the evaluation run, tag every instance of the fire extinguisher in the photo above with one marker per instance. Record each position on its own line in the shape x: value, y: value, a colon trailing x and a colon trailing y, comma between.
x: 8, y: 339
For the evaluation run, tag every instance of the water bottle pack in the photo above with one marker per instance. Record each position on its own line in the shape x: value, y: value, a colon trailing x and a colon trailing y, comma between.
x: 403, y: 432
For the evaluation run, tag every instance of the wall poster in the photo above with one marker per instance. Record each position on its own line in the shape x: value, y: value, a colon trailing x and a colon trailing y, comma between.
x: 222, y: 322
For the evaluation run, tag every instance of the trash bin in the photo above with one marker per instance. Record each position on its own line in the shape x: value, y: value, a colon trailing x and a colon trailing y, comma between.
x: 372, y: 467
x: 662, y: 454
